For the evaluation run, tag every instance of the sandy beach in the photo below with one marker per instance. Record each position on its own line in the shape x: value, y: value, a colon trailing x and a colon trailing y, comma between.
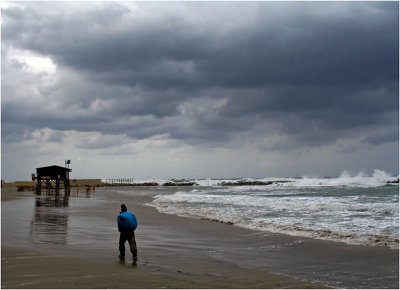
x: 23, y: 268
x: 73, y: 243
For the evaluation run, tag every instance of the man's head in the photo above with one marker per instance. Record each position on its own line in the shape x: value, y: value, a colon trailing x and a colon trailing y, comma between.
x: 123, y: 208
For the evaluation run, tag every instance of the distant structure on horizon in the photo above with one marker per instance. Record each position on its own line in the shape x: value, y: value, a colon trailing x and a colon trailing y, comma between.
x: 53, y: 175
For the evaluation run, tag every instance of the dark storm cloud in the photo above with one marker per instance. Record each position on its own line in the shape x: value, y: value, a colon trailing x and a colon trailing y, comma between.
x: 321, y: 75
x: 334, y: 50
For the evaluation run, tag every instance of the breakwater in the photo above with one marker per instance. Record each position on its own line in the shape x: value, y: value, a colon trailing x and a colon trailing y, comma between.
x: 127, y: 182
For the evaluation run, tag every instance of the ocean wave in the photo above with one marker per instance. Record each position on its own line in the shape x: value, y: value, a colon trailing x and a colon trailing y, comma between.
x: 367, y: 215
x: 349, y: 237
x: 378, y: 178
x: 323, y: 234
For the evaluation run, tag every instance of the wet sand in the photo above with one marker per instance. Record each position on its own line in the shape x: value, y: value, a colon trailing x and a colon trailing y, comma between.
x: 47, y: 243
x: 22, y: 268
x: 8, y: 194
x: 61, y: 266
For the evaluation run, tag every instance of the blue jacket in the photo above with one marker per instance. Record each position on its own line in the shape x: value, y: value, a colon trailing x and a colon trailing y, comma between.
x: 127, y: 222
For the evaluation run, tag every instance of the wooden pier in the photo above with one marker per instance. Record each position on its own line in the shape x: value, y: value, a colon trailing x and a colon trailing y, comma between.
x: 119, y: 181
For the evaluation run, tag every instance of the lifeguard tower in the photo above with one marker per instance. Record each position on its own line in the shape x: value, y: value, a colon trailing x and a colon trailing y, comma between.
x: 52, y: 178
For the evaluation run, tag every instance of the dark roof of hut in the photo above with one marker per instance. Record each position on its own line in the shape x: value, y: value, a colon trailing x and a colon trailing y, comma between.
x: 52, y: 171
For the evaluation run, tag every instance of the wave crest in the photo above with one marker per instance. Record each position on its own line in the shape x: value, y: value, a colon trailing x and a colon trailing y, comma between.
x: 376, y: 179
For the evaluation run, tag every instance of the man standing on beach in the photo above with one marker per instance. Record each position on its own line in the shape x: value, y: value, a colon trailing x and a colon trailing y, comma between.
x: 127, y: 224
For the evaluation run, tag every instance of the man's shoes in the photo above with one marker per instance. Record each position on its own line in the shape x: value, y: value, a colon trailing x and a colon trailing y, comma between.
x: 121, y: 256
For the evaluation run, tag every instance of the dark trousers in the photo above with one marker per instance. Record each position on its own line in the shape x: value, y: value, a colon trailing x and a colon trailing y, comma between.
x: 130, y: 237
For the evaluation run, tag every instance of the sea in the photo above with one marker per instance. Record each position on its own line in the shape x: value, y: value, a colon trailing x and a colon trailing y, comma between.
x: 356, y: 209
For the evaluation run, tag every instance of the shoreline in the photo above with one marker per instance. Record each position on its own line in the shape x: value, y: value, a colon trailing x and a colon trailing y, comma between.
x: 185, y: 247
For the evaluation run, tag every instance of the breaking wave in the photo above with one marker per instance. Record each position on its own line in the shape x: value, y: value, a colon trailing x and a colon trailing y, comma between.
x: 356, y: 209
x: 377, y: 179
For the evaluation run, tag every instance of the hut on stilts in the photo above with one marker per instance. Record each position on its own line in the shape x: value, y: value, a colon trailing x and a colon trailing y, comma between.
x: 52, y: 179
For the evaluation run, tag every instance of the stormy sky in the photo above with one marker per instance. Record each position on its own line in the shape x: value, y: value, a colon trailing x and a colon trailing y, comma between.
x: 199, y: 89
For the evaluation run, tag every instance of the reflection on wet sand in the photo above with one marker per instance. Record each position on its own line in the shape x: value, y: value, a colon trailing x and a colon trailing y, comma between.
x: 49, y: 224
x: 88, y: 190
x: 51, y: 201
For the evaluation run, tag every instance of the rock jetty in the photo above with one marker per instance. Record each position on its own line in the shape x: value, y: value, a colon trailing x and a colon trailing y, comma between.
x: 243, y: 182
x: 180, y: 184
x: 192, y: 183
x: 394, y: 181
x: 170, y: 183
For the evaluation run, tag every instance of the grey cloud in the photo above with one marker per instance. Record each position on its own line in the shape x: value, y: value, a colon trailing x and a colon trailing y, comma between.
x: 383, y: 138
x: 320, y: 75
x: 295, y: 51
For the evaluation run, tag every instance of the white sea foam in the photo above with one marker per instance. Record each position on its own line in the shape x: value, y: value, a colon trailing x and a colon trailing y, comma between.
x: 356, y: 209
x: 378, y: 178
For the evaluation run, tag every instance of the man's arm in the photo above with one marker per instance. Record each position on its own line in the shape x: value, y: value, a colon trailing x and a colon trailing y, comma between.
x: 119, y: 220
x: 135, y: 223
